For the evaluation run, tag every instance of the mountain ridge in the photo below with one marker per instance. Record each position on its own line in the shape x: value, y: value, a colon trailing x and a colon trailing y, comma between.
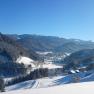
x: 52, y: 43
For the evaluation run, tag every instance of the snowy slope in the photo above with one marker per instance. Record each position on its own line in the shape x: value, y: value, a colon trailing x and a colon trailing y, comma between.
x: 79, y: 88
x: 22, y: 85
x: 55, y: 85
x: 51, y: 66
x: 25, y: 60
x: 39, y: 83
x: 89, y: 76
x: 51, y: 81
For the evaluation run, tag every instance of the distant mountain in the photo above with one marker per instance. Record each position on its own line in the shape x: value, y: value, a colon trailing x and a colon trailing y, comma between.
x: 39, y: 43
x: 82, y: 60
x: 50, y: 43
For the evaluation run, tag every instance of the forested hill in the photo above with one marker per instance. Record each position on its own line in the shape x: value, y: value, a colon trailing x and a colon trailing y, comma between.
x: 51, y: 43
x: 13, y: 49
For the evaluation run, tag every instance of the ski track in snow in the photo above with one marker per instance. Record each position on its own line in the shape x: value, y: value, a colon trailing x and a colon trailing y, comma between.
x: 77, y: 88
x: 39, y: 83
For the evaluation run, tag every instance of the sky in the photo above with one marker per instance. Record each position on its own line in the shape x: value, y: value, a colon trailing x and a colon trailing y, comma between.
x: 63, y: 18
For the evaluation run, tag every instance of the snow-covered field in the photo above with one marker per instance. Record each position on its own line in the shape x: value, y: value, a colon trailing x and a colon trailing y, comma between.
x: 39, y: 83
x: 25, y: 60
x: 79, y: 88
x: 55, y: 85
x: 52, y: 81
x: 51, y: 66
x: 43, y: 53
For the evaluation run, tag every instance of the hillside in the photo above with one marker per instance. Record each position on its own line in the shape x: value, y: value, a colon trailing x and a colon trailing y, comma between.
x: 82, y: 60
x: 12, y: 55
x: 13, y: 48
x: 79, y: 88
x: 51, y: 81
x: 50, y: 43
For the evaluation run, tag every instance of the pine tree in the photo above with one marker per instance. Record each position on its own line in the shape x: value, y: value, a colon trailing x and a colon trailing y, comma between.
x: 2, y: 85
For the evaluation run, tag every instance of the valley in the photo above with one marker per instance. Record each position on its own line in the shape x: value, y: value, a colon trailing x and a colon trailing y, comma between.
x: 31, y: 68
